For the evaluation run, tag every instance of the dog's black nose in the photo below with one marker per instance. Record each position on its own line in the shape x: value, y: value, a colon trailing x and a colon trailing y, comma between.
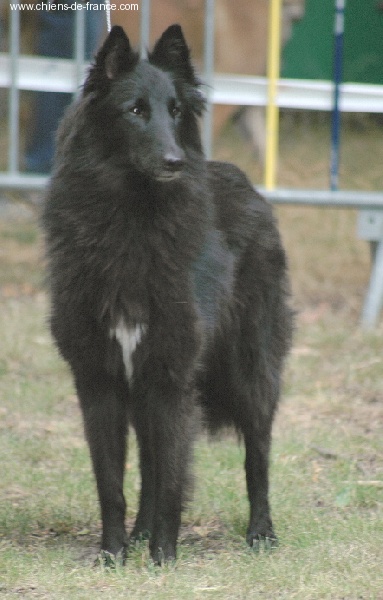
x: 173, y: 163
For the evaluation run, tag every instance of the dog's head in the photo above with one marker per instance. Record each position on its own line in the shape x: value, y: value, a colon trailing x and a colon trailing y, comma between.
x: 147, y: 109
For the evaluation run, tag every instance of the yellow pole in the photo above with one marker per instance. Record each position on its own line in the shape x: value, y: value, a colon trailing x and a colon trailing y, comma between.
x: 272, y: 112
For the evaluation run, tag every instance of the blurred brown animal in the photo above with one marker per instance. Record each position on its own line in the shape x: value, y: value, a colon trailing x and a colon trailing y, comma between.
x: 240, y: 43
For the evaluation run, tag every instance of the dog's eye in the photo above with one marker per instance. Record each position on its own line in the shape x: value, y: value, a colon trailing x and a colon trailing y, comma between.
x: 175, y: 111
x: 137, y: 110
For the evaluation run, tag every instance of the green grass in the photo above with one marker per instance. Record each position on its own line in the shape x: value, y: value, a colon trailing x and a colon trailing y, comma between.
x: 327, y: 461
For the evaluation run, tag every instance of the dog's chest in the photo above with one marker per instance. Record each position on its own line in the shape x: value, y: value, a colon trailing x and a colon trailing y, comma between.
x: 129, y: 338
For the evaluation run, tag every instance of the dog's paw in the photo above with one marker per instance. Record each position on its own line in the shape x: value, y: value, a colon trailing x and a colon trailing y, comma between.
x: 162, y: 555
x: 110, y: 561
x: 268, y: 541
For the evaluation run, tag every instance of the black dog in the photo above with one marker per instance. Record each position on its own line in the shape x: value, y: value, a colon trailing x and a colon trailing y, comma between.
x: 168, y: 285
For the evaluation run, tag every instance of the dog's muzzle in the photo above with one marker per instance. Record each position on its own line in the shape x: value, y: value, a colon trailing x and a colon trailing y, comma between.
x: 172, y: 167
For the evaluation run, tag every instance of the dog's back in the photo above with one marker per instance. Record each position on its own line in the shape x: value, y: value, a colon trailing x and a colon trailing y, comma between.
x: 168, y: 288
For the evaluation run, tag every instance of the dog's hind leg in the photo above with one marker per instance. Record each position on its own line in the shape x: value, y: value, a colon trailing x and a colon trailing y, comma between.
x: 103, y: 403
x: 257, y: 444
x: 260, y: 361
x: 232, y: 394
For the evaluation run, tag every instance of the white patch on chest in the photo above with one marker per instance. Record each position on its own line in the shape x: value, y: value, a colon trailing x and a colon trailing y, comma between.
x: 129, y: 338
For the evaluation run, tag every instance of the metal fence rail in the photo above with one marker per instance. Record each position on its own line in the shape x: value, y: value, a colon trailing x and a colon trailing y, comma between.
x: 368, y: 201
x: 19, y: 72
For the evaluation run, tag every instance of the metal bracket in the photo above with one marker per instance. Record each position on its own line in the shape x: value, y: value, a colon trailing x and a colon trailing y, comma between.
x: 370, y: 228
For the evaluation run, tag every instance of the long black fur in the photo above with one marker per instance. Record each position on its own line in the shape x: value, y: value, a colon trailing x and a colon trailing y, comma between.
x: 146, y: 237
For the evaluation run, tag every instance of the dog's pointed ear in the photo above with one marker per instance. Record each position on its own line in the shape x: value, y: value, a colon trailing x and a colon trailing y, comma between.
x: 114, y: 57
x: 171, y: 53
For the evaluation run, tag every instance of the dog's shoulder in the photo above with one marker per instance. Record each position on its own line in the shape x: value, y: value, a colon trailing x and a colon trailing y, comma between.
x: 242, y: 213
x: 233, y: 191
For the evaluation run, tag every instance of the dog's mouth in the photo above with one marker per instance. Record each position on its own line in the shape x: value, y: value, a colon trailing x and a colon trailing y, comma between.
x: 168, y: 175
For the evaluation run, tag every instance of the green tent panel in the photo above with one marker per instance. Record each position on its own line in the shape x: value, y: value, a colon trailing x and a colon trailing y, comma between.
x: 308, y: 54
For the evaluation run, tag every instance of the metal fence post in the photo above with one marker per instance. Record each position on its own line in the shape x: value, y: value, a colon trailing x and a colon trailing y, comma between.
x: 374, y: 296
x: 144, y: 27
x: 14, y: 95
x: 79, y: 47
x: 208, y: 76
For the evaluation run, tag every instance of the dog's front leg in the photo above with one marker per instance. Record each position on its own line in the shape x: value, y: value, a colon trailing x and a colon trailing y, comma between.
x: 165, y: 426
x: 165, y: 421
x: 143, y: 526
x: 103, y: 403
x: 173, y: 432
x: 165, y: 417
